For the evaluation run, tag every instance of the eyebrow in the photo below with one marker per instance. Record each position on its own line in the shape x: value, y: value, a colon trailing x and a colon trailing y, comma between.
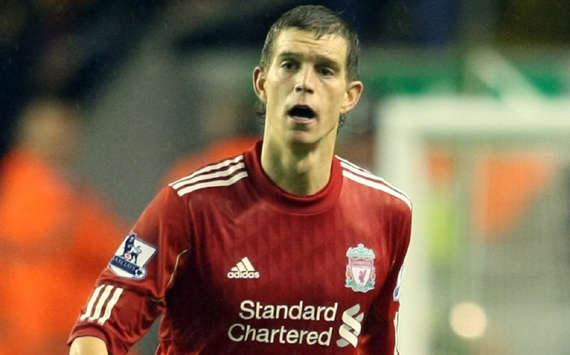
x: 320, y: 59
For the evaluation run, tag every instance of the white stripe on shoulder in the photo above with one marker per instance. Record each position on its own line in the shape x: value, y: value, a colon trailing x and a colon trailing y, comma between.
x: 222, y: 173
x: 345, y: 163
x: 208, y: 168
x: 377, y: 185
x: 215, y: 183
x: 356, y: 169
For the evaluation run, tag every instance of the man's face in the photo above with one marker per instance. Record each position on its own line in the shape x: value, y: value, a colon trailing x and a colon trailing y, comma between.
x: 305, y: 88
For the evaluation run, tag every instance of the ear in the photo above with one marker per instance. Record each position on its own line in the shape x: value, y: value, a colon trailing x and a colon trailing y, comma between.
x: 351, y: 96
x: 259, y: 83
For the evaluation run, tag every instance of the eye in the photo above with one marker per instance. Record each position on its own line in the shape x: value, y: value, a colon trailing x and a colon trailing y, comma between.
x: 289, y: 65
x: 326, y: 71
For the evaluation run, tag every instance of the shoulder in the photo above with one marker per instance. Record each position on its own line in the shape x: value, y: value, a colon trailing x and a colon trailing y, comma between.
x: 219, y: 174
x: 374, y: 184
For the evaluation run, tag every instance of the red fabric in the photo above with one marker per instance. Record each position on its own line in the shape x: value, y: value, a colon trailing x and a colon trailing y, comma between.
x: 298, y: 246
x: 53, y: 240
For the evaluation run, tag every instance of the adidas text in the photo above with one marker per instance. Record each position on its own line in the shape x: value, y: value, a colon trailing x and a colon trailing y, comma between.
x: 243, y: 275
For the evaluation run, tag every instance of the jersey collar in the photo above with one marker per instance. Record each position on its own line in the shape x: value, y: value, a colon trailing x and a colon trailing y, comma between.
x: 292, y: 203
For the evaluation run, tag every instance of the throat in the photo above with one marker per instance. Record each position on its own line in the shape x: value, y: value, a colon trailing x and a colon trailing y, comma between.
x: 299, y: 174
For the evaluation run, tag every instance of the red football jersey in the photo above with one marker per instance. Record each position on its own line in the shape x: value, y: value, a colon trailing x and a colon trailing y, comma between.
x: 237, y: 265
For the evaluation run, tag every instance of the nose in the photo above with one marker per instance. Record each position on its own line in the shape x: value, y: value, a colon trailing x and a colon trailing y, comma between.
x: 305, y: 81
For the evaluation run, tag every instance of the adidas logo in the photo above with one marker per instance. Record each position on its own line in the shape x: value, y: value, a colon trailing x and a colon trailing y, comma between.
x: 243, y: 270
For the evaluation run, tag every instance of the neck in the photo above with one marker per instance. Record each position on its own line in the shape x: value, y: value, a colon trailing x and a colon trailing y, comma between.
x: 301, y: 170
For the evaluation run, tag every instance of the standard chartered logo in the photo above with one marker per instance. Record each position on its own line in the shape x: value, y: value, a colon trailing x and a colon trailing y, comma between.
x: 287, y: 333
x: 279, y: 333
x: 351, y: 328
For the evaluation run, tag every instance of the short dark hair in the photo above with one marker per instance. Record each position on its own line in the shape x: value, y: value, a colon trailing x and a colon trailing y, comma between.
x: 321, y: 21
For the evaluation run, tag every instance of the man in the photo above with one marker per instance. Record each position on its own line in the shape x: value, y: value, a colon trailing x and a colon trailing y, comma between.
x: 55, y: 232
x: 283, y: 249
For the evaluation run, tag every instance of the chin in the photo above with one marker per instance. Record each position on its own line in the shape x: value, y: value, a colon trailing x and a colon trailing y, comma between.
x: 303, y: 142
x: 301, y: 138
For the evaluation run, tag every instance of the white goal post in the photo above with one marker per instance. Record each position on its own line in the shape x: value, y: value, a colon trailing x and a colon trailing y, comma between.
x: 405, y: 127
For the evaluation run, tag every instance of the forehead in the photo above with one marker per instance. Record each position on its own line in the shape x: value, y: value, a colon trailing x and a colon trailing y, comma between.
x: 306, y: 43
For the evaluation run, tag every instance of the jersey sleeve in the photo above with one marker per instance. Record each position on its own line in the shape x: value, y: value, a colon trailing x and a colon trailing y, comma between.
x: 129, y: 294
x: 379, y: 332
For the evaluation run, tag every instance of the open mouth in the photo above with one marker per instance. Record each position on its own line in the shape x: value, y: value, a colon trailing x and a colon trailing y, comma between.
x: 302, y: 112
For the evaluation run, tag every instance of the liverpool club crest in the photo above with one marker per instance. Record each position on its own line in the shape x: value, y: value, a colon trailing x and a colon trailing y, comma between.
x: 360, y: 271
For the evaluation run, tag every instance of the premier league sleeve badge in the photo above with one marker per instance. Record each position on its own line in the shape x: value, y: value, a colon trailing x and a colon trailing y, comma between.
x: 360, y: 270
x: 131, y: 258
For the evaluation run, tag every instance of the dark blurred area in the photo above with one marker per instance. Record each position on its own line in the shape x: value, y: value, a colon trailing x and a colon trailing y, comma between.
x: 63, y: 48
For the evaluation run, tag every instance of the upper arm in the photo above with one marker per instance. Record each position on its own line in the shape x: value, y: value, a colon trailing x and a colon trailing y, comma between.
x: 129, y: 293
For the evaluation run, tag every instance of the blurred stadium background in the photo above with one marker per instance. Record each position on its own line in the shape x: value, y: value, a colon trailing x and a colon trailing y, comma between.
x: 466, y: 107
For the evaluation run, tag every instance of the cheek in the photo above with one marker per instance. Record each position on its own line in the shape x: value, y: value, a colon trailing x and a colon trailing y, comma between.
x: 336, y: 99
x: 272, y: 95
x: 280, y: 94
x: 275, y: 100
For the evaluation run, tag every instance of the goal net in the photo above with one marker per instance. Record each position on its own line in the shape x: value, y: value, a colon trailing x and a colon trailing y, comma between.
x: 488, y: 270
